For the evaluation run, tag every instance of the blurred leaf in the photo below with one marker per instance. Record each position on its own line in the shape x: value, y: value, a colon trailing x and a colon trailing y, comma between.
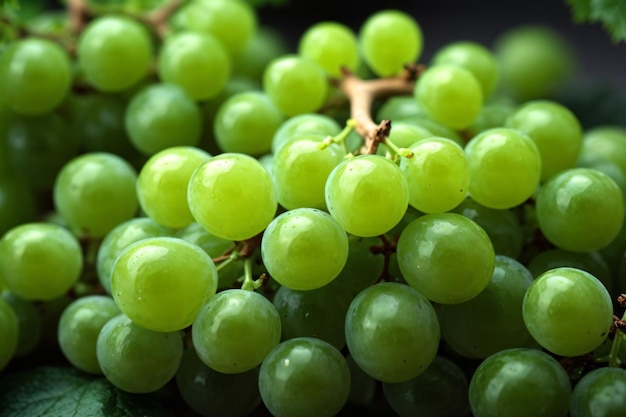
x: 611, y: 14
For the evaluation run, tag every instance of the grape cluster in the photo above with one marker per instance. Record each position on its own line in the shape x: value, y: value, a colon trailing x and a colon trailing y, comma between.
x: 187, y: 202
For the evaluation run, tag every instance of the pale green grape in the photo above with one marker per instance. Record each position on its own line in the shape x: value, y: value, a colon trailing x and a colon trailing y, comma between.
x: 580, y: 210
x: 400, y: 107
x: 161, y: 282
x: 114, y: 53
x: 520, y: 382
x: 493, y: 114
x: 450, y: 95
x: 160, y: 116
x: 235, y: 330
x: 600, y: 393
x: 300, y: 170
x: 390, y: 39
x: 29, y: 322
x: 40, y: 261
x: 556, y: 131
x: 78, y: 329
x: 304, y: 377
x: 392, y: 332
x: 367, y: 194
x: 447, y: 257
x: 197, y: 62
x: 94, y: 192
x: 135, y: 359
x: 332, y: 45
x: 295, y: 84
x: 304, y: 248
x: 605, y: 143
x: 505, y: 167
x: 232, y: 196
x: 35, y: 76
x: 568, y: 311
x: 9, y: 332
x: 162, y: 184
x: 304, y: 124
x: 266, y: 44
x: 438, y: 175
x: 246, y: 122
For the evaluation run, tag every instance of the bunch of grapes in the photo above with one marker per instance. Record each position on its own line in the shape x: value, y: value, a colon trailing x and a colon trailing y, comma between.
x: 187, y: 202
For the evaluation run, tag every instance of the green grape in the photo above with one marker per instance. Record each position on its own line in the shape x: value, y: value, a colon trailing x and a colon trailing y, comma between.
x: 266, y: 44
x: 332, y: 45
x: 9, y: 333
x: 349, y: 190
x: 390, y: 39
x: 502, y: 226
x: 235, y: 330
x: 399, y: 107
x: 304, y: 248
x: 363, y: 267
x: 246, y: 123
x: 520, y: 382
x: 568, y: 311
x: 392, y: 332
x: 78, y: 329
x: 197, y: 62
x: 580, y: 210
x: 232, y: 196
x: 440, y: 391
x: 94, y: 192
x: 491, y: 321
x: 162, y: 184
x: 438, y: 175
x: 493, y: 114
x: 295, y: 84
x: 600, y: 393
x: 40, y: 261
x: 300, y: 170
x: 404, y: 135
x: 555, y: 130
x: 315, y: 313
x: 162, y: 282
x: 605, y: 143
x: 610, y: 169
x: 505, y: 167
x: 474, y: 57
x: 429, y: 243
x: 450, y: 95
x: 35, y: 76
x: 160, y: 116
x: 304, y: 124
x: 304, y: 377
x: 232, y: 22
x: 121, y: 236
x: 436, y: 128
x: 29, y: 323
x: 363, y: 388
x: 534, y: 61
x: 17, y: 202
x: 211, y: 393
x: 135, y: 359
x: 114, y: 53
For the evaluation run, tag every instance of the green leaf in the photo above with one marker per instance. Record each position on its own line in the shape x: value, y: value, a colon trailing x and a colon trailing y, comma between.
x: 59, y: 391
x: 611, y: 14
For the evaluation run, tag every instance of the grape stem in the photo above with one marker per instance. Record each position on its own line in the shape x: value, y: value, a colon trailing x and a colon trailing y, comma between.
x: 77, y: 15
x: 620, y: 326
x: 158, y: 18
x: 386, y: 248
x: 250, y: 284
x: 362, y: 93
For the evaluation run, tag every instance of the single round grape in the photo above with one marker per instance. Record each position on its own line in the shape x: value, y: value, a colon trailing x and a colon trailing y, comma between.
x: 9, y: 330
x: 605, y: 143
x: 78, y: 329
x: 29, y: 320
x: 450, y: 95
x: 390, y: 39
x: 94, y: 192
x: 520, y: 382
x: 580, y: 210
x: 427, y: 247
x: 35, y: 76
x: 160, y: 116
x: 392, y: 332
x: 40, y: 261
x: 367, y: 194
x: 505, y: 167
x: 114, y: 53
x: 332, y: 45
x: 399, y: 107
x: 304, y: 377
x: 304, y: 124
x: 162, y: 184
x: 232, y: 196
x: 135, y: 359
x: 600, y: 393
x: 304, y: 248
x: 295, y: 84
x: 235, y: 330
x: 568, y: 311
x: 161, y: 282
